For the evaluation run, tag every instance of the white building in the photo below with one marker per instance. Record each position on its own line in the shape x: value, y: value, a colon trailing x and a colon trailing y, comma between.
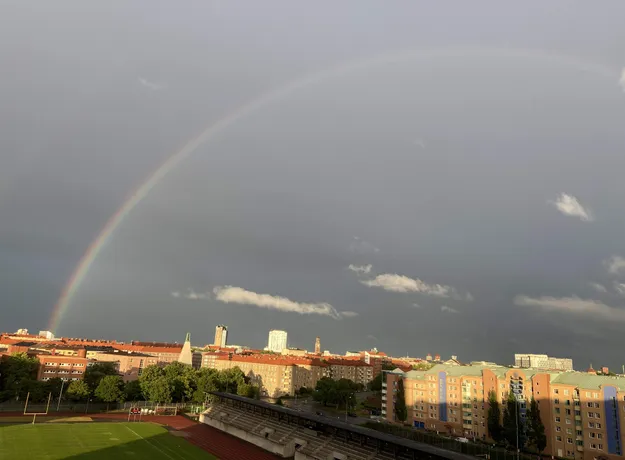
x: 46, y: 334
x: 277, y: 341
x: 543, y: 362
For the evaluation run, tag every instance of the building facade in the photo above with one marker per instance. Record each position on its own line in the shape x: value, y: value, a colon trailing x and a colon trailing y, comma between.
x: 582, y: 412
x: 277, y: 341
x: 64, y: 367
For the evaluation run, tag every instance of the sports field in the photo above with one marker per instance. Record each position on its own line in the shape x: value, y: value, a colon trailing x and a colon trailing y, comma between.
x: 95, y: 441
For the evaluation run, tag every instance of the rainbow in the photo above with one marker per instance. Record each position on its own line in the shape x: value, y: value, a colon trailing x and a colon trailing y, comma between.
x: 94, y: 249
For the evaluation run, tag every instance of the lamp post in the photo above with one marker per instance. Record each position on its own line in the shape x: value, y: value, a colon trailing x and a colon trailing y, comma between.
x: 58, y: 405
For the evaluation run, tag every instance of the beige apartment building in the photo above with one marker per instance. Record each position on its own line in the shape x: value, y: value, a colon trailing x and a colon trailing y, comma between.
x: 353, y: 369
x: 276, y: 375
x: 582, y: 412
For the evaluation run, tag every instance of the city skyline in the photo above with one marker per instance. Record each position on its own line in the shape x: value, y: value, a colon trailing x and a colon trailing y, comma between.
x: 407, y: 186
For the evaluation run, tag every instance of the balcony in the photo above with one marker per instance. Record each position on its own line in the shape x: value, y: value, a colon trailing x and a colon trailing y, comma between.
x: 383, y: 391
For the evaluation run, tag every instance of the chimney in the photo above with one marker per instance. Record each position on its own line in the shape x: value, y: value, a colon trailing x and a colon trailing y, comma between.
x: 82, y: 353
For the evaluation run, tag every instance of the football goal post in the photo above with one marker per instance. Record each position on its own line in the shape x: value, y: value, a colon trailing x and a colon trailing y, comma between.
x: 36, y: 413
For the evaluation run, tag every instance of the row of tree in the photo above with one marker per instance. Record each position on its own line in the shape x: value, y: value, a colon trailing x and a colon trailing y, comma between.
x: 175, y: 382
x: 528, y: 432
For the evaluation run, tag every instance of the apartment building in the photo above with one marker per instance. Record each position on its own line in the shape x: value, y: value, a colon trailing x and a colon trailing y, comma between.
x: 63, y: 367
x: 543, y: 362
x: 582, y: 412
x: 275, y: 375
x: 355, y: 370
x: 129, y: 365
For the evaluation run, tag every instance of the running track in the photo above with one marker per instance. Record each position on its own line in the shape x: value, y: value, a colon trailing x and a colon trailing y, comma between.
x: 218, y: 443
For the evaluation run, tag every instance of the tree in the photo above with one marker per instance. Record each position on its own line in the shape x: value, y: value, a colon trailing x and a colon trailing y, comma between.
x: 110, y: 389
x: 535, y: 427
x: 132, y: 391
x: 159, y: 390
x: 325, y: 391
x: 401, y: 412
x: 513, y: 427
x: 494, y: 418
x: 376, y: 383
x: 96, y: 372
x: 279, y: 402
x: 78, y: 390
x: 17, y: 372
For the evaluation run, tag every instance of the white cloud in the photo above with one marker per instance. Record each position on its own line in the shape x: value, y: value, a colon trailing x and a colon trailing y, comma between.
x: 150, y: 85
x: 573, y: 305
x: 360, y: 246
x: 360, y: 269
x: 446, y: 309
x: 400, y: 283
x: 469, y: 297
x: 175, y: 294
x: 349, y: 314
x: 622, y: 79
x: 598, y: 287
x: 416, y: 305
x: 372, y: 337
x: 615, y: 264
x: 569, y: 206
x: 232, y: 294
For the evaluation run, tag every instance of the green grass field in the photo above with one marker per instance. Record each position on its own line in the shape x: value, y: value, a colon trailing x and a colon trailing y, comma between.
x: 95, y: 441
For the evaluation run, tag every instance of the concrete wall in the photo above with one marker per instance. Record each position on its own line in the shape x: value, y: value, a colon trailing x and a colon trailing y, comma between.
x: 283, y: 450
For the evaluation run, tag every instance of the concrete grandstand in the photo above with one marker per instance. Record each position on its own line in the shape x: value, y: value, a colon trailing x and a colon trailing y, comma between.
x: 290, y: 433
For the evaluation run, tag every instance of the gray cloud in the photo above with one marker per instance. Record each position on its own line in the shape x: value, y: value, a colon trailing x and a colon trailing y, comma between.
x: 570, y: 206
x: 360, y: 246
x: 598, y: 287
x: 349, y: 314
x: 446, y: 309
x: 619, y: 288
x: 622, y: 79
x: 151, y: 85
x: 360, y: 269
x: 573, y: 306
x: 615, y: 264
x: 232, y: 294
x: 191, y: 295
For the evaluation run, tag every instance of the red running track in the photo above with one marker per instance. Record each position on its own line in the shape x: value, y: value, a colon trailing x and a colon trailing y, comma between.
x: 218, y: 443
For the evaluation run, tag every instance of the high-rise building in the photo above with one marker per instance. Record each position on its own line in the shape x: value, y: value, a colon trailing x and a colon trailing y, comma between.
x: 46, y: 335
x: 317, y: 346
x: 277, y: 341
x: 221, y: 336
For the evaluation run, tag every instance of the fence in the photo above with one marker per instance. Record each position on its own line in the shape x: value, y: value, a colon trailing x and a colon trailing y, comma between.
x: 468, y: 448
x: 65, y: 406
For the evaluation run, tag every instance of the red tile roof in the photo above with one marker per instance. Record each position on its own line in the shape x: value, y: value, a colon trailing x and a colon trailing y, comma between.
x: 278, y: 360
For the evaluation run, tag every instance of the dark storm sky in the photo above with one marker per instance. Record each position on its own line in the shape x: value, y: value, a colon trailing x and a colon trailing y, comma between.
x: 483, y: 185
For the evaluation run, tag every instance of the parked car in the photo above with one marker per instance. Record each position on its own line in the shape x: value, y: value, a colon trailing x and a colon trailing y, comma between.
x: 319, y: 413
x: 351, y: 414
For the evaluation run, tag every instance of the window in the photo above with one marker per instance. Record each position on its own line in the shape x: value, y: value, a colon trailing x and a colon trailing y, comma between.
x: 596, y: 405
x: 556, y: 391
x: 557, y: 419
x: 595, y: 395
x: 559, y: 438
x: 579, y: 433
x: 568, y: 412
x: 558, y: 429
x: 591, y: 415
x: 588, y: 394
x: 599, y: 436
x: 591, y: 425
x: 557, y: 410
x: 600, y: 446
x: 556, y: 401
x: 566, y: 392
x: 597, y: 415
x: 569, y: 440
x: 599, y: 426
x: 592, y: 435
x: 569, y: 431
